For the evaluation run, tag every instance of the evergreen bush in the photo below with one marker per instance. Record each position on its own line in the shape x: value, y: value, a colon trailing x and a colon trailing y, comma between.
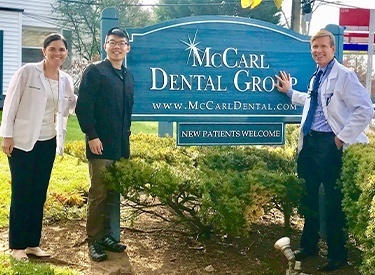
x: 358, y: 185
x: 218, y: 189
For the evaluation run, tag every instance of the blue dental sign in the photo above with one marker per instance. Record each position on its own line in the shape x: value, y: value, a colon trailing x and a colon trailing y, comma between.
x: 216, y: 68
x: 216, y: 74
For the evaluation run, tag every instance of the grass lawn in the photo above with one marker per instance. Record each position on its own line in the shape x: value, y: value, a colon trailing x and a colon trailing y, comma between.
x: 74, y: 131
x: 5, y: 190
x: 11, y: 267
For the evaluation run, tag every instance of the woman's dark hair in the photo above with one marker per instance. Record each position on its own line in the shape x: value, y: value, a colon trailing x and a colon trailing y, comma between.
x: 54, y: 37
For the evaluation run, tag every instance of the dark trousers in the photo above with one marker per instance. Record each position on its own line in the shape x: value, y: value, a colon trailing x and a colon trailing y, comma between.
x: 320, y: 162
x: 100, y: 202
x: 30, y: 175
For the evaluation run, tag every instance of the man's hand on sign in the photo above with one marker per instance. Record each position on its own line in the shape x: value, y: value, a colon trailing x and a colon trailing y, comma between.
x: 283, y: 83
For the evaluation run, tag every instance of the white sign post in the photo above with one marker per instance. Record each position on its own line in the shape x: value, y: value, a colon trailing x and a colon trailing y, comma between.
x: 370, y: 51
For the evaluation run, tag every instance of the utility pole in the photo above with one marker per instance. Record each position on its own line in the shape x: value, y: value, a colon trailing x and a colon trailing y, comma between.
x: 307, y: 6
x: 296, y: 16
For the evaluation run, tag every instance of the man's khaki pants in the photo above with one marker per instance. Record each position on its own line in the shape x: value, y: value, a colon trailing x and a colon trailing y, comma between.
x: 99, y: 201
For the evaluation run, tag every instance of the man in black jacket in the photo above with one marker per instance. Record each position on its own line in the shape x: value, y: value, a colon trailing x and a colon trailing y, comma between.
x: 104, y: 109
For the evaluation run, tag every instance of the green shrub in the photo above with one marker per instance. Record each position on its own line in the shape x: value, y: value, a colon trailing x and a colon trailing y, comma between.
x: 358, y: 181
x: 219, y: 189
x: 273, y: 175
x: 68, y: 188
x: 76, y: 149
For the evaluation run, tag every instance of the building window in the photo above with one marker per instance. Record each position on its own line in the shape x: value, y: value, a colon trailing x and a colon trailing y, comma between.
x: 34, y: 38
x: 32, y: 43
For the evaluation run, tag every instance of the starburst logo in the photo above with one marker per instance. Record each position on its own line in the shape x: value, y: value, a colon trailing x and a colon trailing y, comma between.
x: 192, y: 47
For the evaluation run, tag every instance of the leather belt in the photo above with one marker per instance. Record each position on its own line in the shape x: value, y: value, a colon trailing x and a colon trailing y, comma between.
x: 313, y: 133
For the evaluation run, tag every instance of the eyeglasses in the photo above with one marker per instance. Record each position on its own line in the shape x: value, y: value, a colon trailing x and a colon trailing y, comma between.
x: 114, y: 43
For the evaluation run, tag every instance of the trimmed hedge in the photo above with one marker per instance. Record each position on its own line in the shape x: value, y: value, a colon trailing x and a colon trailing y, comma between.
x: 208, y: 190
x: 358, y: 180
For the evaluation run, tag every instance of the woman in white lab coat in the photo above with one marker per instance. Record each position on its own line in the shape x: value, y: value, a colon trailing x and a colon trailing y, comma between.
x: 37, y: 104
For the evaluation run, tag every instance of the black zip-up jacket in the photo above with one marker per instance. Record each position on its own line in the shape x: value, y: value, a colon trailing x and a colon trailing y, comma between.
x: 104, y: 109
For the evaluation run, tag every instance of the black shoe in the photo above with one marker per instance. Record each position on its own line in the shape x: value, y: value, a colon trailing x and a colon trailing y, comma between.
x: 110, y: 244
x: 332, y: 265
x: 303, y: 254
x: 96, y: 252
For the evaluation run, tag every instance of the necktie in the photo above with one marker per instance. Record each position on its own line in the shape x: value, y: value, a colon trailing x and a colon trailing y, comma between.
x: 313, y: 104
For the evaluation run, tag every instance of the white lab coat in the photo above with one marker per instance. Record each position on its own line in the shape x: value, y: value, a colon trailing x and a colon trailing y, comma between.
x: 349, y: 109
x: 25, y: 103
